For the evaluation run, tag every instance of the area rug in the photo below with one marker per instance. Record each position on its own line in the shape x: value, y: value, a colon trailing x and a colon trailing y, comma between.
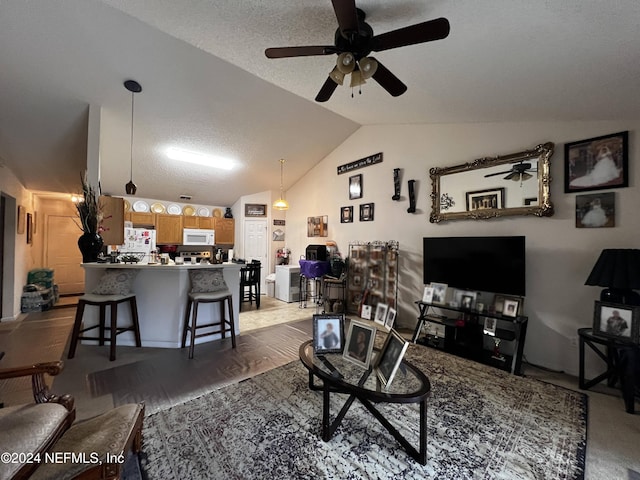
x: 482, y: 424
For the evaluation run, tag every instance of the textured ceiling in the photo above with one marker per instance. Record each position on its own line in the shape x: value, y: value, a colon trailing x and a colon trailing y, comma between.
x: 207, y: 85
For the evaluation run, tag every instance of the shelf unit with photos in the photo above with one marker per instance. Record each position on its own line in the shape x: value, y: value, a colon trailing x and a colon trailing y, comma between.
x: 462, y: 332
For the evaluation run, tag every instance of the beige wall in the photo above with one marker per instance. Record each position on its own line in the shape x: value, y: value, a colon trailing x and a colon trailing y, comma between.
x: 559, y: 256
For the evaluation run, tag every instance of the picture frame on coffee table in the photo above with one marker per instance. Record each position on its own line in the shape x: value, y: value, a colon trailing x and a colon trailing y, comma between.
x: 328, y: 333
x: 390, y: 358
x: 359, y: 343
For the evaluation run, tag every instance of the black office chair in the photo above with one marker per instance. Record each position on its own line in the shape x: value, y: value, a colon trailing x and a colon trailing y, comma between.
x: 250, y: 283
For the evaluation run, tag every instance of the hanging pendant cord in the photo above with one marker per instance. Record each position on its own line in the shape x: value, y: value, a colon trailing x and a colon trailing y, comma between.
x: 131, y: 146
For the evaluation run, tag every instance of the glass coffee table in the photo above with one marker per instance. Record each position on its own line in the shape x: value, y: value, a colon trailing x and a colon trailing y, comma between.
x: 339, y: 375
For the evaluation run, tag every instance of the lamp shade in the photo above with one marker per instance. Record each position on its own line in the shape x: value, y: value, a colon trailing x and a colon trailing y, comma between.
x: 368, y: 67
x: 618, y: 270
x: 346, y: 62
x: 337, y: 76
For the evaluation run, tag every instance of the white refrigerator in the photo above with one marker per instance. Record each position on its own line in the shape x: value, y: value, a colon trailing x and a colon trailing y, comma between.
x: 287, y: 286
x: 139, y: 240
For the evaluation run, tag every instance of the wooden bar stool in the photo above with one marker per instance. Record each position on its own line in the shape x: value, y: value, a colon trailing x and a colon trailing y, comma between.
x: 104, y: 301
x: 208, y: 286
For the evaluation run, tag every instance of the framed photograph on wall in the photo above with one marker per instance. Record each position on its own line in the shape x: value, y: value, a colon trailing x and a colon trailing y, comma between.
x: 366, y: 212
x: 359, y: 343
x: 597, y: 163
x: 328, y: 333
x: 390, y: 357
x: 318, y: 226
x: 22, y: 220
x: 485, y: 199
x: 596, y: 210
x: 346, y: 214
x: 355, y: 187
x: 620, y: 322
x: 255, y: 210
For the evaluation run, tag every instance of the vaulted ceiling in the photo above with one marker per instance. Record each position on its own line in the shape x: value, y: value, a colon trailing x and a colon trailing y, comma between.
x: 208, y: 87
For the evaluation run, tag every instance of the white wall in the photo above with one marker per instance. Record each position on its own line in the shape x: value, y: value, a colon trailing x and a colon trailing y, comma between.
x: 559, y: 256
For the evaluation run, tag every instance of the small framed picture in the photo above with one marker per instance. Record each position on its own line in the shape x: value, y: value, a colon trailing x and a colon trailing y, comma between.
x: 391, y: 318
x: 255, y: 210
x: 390, y: 357
x: 489, y: 326
x: 359, y: 343
x: 381, y: 313
x: 498, y: 303
x: 466, y: 299
x: 366, y: 312
x: 620, y: 322
x: 328, y: 333
x: 366, y: 212
x: 346, y: 214
x: 596, y: 210
x: 355, y: 187
x: 439, y: 293
x: 427, y: 296
x: 597, y: 163
x: 318, y: 226
x: 485, y: 199
x: 510, y: 308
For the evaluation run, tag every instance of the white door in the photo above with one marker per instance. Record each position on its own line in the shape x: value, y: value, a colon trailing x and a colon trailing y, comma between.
x: 62, y: 253
x: 256, y: 245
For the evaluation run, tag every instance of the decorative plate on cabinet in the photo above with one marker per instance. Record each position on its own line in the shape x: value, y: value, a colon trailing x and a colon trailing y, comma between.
x: 140, y: 206
x: 217, y: 213
x: 158, y: 208
x: 203, y: 212
x: 188, y: 210
x: 174, y: 209
x: 127, y: 206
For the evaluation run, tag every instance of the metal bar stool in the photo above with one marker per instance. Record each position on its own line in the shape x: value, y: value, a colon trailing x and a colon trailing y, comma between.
x: 208, y: 286
x: 104, y: 301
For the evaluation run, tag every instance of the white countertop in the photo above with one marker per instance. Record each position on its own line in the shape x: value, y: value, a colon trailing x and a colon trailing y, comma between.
x: 158, y: 266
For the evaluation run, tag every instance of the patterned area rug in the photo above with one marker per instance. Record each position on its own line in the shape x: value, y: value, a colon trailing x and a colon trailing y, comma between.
x: 482, y: 424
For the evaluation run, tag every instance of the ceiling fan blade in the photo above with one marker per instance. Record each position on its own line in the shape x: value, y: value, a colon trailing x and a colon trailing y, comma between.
x: 497, y: 173
x: 327, y: 90
x: 285, y: 52
x: 422, y: 32
x: 388, y: 80
x: 347, y: 16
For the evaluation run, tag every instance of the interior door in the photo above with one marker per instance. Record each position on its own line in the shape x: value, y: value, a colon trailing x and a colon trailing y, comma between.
x: 256, y: 245
x: 62, y: 254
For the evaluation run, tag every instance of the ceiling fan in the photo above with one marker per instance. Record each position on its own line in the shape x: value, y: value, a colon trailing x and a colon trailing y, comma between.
x: 354, y: 41
x: 518, y: 172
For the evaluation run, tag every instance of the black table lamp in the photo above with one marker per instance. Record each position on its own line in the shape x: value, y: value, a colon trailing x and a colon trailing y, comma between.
x: 618, y: 270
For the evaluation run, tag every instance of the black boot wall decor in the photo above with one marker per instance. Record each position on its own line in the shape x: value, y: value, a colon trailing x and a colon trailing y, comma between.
x: 412, y: 197
x: 396, y: 184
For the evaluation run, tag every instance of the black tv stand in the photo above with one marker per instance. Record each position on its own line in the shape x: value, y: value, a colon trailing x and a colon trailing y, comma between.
x: 461, y: 332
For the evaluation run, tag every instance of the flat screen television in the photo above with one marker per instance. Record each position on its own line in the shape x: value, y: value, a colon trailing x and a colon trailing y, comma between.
x: 487, y: 264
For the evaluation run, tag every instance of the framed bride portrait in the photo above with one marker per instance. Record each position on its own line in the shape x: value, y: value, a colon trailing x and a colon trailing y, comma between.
x: 596, y: 210
x: 597, y: 163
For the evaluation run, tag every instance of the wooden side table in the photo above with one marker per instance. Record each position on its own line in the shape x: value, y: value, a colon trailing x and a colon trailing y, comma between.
x: 617, y: 369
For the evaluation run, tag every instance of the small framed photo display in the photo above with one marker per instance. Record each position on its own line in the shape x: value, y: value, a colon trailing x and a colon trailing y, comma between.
x: 489, y: 326
x: 391, y: 318
x: 328, y: 333
x: 346, y: 214
x: 485, y: 199
x: 499, y: 303
x: 355, y: 187
x: 466, y: 299
x: 597, y: 163
x: 381, y: 313
x: 359, y: 343
x: 439, y: 293
x: 620, y: 322
x: 390, y: 357
x: 318, y: 226
x: 366, y: 312
x: 427, y: 296
x: 510, y: 308
x: 366, y: 212
x: 596, y: 210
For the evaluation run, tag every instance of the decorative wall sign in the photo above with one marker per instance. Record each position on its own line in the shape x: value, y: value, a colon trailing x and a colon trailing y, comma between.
x: 363, y: 162
x: 280, y: 223
x: 318, y: 226
x: 412, y: 197
x: 396, y: 184
x: 22, y: 219
x: 29, y: 228
x: 255, y: 210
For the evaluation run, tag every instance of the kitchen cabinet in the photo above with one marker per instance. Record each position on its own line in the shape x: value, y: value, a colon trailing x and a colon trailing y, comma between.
x: 225, y: 230
x: 112, y: 223
x: 189, y: 221
x: 169, y: 229
x: 141, y: 219
x: 205, y: 222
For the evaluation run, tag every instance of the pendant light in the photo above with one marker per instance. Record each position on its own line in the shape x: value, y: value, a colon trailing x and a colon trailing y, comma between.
x: 133, y: 87
x: 281, y: 203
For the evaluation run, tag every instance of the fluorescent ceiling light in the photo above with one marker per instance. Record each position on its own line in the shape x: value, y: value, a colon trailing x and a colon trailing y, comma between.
x: 200, y: 158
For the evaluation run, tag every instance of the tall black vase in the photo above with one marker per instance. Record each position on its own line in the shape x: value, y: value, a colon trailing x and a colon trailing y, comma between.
x: 90, y: 245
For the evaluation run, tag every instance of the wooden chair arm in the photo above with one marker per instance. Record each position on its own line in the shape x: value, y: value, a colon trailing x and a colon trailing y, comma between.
x: 41, y: 393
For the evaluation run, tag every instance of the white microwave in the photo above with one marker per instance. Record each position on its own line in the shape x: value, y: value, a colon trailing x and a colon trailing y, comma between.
x: 198, y: 236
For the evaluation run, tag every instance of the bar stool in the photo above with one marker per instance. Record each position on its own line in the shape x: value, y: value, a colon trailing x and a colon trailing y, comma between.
x: 104, y: 301
x: 208, y: 286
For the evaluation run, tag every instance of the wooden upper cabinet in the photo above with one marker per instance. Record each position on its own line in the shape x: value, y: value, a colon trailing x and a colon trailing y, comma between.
x: 225, y: 230
x: 112, y: 223
x: 141, y: 219
x: 205, y: 222
x: 189, y: 221
x: 169, y: 229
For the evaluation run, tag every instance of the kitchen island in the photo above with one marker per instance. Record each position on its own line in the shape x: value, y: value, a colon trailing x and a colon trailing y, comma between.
x: 161, y: 293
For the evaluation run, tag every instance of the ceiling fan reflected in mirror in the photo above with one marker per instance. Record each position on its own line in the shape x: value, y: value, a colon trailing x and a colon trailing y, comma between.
x: 354, y: 41
x: 519, y: 172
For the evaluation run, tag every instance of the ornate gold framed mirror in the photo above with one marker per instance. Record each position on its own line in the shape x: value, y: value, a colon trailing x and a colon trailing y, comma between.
x: 490, y: 187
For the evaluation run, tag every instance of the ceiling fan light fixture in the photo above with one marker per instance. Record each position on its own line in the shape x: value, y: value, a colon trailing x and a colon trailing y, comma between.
x: 133, y: 87
x: 346, y: 62
x: 357, y: 79
x: 281, y: 203
x: 337, y: 76
x: 367, y: 67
